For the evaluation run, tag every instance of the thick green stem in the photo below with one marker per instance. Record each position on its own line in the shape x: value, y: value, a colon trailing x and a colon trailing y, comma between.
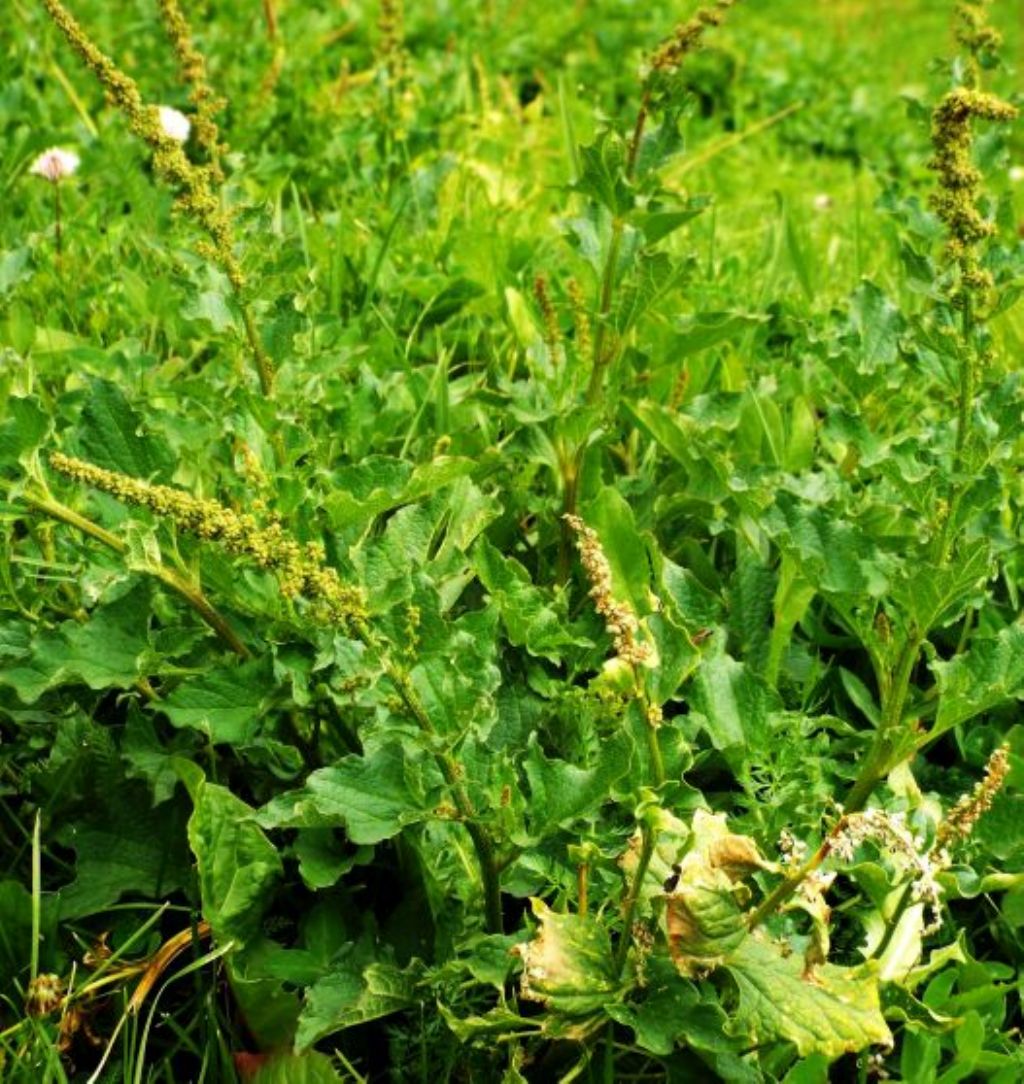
x: 264, y: 368
x: 786, y: 889
x: 878, y: 760
x: 603, y: 354
x: 906, y: 897
x: 633, y: 897
x: 450, y: 770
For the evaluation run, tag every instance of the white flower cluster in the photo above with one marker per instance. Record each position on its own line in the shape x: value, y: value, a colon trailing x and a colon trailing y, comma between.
x: 55, y: 163
x: 890, y: 833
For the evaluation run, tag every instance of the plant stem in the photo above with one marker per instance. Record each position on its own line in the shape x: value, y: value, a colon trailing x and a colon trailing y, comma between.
x: 878, y: 760
x: 37, y: 894
x: 786, y: 888
x: 633, y: 897
x: 264, y: 369
x: 451, y: 771
x: 901, y: 907
x: 603, y: 354
x: 167, y: 576
x: 58, y: 233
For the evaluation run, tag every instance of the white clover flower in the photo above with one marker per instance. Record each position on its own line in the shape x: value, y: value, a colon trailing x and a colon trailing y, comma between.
x: 1016, y: 174
x: 823, y: 202
x: 55, y: 164
x: 174, y: 123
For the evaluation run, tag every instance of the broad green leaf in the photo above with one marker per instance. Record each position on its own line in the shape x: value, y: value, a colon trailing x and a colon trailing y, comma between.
x: 657, y: 225
x: 568, y: 965
x: 310, y: 1067
x: 878, y: 324
x: 987, y: 676
x: 561, y: 791
x: 602, y: 174
x: 24, y: 426
x: 750, y: 592
x: 671, y: 1012
x: 696, y: 607
x: 457, y: 686
x: 934, y: 597
x: 124, y: 848
x: 832, y: 1012
x: 498, y: 1022
x: 655, y: 276
x: 379, y: 484
x: 105, y: 652
x: 833, y: 554
x: 225, y: 703
x: 373, y: 798
x: 705, y: 329
x: 356, y: 989
x: 612, y: 518
x: 237, y: 865
x: 532, y: 620
x: 112, y: 434
x: 735, y: 703
x: 323, y: 859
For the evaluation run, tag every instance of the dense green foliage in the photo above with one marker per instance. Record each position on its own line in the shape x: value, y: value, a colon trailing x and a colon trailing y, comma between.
x: 511, y: 550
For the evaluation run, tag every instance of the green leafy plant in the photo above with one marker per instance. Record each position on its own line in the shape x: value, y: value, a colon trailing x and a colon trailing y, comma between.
x: 592, y: 653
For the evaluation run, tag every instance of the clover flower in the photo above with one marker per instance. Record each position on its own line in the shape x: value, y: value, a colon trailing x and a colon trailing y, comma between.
x: 174, y: 123
x: 55, y: 164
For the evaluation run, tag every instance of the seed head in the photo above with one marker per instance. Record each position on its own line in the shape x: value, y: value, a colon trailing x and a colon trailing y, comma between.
x: 552, y: 332
x: 959, y: 179
x: 959, y: 822
x: 619, y: 618
x: 687, y: 36
x: 301, y: 569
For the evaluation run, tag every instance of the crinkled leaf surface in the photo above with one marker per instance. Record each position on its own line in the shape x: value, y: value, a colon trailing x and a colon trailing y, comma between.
x: 834, y: 1012
x: 990, y: 674
x: 568, y: 965
x: 560, y: 791
x: 124, y: 849
x: 104, y: 652
x: 24, y: 427
x: 238, y: 866
x: 371, y: 797
x: 356, y: 988
x: 310, y: 1067
x: 531, y: 619
x: 113, y: 434
x: 224, y: 703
